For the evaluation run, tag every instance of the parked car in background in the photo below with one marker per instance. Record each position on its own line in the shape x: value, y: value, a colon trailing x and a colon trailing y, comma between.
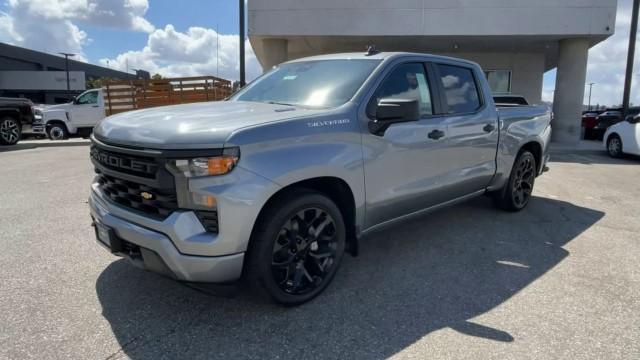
x: 624, y: 137
x: 603, y: 121
x: 510, y: 100
x: 76, y: 117
x: 17, y: 117
x: 277, y: 183
x: 589, y: 122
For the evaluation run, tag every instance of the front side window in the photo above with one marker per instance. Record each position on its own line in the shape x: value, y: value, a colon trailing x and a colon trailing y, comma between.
x: 315, y: 84
x: 460, y: 89
x: 407, y: 82
x: 89, y: 98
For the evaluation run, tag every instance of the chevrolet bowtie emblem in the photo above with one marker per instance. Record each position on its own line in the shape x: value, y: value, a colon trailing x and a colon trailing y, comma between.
x: 146, y: 195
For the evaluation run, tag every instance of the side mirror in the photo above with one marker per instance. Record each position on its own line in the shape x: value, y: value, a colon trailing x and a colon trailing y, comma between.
x: 390, y: 111
x: 634, y: 119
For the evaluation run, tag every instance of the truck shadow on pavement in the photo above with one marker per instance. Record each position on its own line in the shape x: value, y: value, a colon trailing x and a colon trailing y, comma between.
x: 436, y: 272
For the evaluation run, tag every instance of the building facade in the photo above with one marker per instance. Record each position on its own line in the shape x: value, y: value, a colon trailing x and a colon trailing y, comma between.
x: 515, y: 41
x: 42, y: 77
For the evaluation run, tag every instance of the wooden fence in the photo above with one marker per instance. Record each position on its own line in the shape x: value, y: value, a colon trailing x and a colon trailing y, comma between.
x: 121, y: 96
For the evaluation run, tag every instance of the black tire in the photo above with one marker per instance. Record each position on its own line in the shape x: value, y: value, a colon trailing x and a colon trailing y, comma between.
x: 282, y: 262
x: 10, y: 131
x: 57, y: 131
x: 516, y: 193
x: 614, y: 146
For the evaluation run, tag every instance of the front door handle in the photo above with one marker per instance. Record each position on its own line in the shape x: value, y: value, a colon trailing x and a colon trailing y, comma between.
x: 489, y: 128
x: 436, y: 134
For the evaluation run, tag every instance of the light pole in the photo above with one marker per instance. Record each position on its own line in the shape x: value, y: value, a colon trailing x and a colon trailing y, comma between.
x: 630, y: 55
x: 590, y: 87
x: 242, y: 78
x: 66, y: 65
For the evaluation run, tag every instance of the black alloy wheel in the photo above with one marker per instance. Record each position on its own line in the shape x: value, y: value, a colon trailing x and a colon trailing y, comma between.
x: 296, y: 247
x: 304, y: 251
x: 10, y: 131
x: 516, y: 193
x: 523, y: 182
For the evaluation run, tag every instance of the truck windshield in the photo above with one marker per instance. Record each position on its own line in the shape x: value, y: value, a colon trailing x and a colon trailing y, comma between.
x: 316, y: 84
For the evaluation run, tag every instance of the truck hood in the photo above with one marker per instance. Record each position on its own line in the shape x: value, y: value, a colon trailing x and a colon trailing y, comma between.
x: 44, y: 107
x: 191, y: 126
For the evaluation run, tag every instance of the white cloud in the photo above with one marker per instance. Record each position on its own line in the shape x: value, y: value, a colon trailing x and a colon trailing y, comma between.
x: 607, y: 65
x: 51, y: 25
x: 192, y: 53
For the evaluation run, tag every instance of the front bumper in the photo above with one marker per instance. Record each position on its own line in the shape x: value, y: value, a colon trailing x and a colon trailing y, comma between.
x: 179, y: 246
x: 158, y: 254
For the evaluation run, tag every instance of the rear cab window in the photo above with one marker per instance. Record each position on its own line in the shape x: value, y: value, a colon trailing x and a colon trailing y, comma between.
x: 461, y: 93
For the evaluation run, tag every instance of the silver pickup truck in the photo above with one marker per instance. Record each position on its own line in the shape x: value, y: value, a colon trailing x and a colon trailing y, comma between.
x: 274, y: 185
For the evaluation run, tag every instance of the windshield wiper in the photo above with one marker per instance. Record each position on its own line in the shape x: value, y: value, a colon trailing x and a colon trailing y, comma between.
x: 279, y: 103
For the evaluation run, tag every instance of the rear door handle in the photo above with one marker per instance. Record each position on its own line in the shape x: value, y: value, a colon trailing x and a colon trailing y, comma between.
x: 436, y: 134
x: 489, y: 128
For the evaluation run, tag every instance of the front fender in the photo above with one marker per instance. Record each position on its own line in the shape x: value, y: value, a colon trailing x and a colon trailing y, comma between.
x: 291, y: 151
x: 57, y: 115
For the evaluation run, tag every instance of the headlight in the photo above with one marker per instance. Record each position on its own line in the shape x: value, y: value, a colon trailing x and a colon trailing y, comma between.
x: 208, y: 166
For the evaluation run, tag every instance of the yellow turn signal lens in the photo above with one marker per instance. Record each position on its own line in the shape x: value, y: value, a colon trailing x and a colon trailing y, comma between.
x: 222, y: 164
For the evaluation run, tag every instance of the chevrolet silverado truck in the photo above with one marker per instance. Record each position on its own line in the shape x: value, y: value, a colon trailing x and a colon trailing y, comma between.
x: 276, y: 184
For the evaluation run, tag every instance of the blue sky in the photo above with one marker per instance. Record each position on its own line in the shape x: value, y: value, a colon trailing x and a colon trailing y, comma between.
x: 179, y: 38
x: 207, y: 14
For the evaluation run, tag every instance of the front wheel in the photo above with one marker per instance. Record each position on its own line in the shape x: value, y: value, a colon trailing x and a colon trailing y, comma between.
x: 296, y: 248
x: 517, y: 191
x: 57, y: 131
x: 10, y: 131
x: 614, y: 146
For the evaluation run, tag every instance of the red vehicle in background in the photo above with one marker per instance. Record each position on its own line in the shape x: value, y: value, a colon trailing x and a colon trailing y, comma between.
x: 588, y: 123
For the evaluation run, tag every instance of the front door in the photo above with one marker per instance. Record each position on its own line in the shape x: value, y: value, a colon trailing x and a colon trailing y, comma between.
x: 86, y: 111
x: 404, y: 167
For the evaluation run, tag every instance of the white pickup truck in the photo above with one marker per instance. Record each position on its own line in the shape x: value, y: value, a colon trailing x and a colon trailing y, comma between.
x: 76, y: 117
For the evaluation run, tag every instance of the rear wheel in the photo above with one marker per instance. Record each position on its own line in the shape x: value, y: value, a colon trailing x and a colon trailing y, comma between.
x: 517, y: 191
x: 614, y: 146
x: 296, y: 248
x: 10, y: 131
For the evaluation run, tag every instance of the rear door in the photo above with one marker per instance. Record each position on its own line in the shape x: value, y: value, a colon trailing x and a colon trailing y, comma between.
x: 472, y: 124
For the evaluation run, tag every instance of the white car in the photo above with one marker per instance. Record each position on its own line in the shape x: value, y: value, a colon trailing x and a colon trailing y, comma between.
x: 623, y: 137
x: 76, y: 117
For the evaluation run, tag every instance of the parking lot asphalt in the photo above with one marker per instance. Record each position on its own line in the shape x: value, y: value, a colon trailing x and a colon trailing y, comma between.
x: 559, y: 280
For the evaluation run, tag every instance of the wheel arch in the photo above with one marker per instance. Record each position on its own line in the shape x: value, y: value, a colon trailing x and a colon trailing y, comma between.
x: 535, y: 148
x: 611, y: 135
x: 336, y: 189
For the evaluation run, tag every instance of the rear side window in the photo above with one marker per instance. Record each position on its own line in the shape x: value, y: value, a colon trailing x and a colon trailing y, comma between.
x: 407, y: 81
x: 460, y: 89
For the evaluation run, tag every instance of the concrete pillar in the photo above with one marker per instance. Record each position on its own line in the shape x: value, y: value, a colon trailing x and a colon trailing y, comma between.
x: 569, y: 95
x: 274, y: 52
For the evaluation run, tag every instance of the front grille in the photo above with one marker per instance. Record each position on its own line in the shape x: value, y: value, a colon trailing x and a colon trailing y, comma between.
x: 154, y: 202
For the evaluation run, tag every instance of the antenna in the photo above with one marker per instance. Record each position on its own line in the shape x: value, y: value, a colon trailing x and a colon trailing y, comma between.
x: 371, y: 50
